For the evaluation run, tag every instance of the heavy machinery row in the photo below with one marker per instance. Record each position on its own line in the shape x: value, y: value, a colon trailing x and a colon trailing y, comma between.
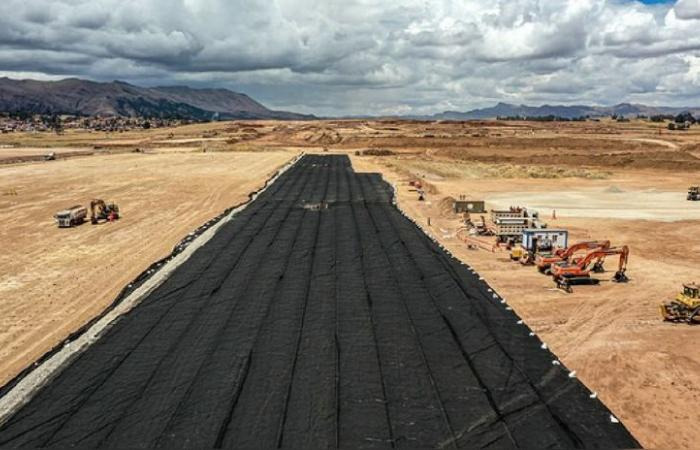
x: 530, y: 241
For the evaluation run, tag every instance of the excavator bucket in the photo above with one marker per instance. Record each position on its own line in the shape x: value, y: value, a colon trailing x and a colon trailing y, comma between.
x: 563, y: 284
x: 620, y: 277
x: 598, y: 267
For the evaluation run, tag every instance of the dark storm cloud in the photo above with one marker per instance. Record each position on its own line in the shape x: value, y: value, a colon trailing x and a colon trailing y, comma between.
x: 366, y: 56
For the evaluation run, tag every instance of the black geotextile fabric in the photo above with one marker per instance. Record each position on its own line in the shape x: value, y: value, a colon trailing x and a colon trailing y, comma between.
x: 318, y: 317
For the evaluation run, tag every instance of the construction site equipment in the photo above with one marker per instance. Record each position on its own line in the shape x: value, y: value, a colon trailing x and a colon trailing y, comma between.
x: 493, y: 367
x: 510, y: 228
x: 510, y: 223
x: 682, y: 126
x: 685, y: 307
x: 534, y: 241
x: 544, y: 261
x: 69, y: 217
x: 479, y: 228
x: 694, y: 193
x: 517, y: 253
x: 99, y: 210
x: 569, y: 273
x: 469, y: 206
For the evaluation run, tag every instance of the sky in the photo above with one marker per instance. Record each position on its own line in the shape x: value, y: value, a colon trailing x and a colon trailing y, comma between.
x: 348, y: 57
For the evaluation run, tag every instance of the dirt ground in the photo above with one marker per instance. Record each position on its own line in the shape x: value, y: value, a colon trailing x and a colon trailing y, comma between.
x: 326, y: 334
x: 54, y: 280
x: 645, y: 370
x: 606, y: 180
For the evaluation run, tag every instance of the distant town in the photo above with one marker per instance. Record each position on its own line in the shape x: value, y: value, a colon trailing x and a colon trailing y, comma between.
x: 40, y: 123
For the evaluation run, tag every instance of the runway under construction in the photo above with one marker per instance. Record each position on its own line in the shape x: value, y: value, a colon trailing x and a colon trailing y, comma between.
x: 319, y: 317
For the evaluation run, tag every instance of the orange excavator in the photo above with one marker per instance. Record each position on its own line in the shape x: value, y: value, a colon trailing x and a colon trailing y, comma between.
x: 567, y: 274
x: 544, y: 261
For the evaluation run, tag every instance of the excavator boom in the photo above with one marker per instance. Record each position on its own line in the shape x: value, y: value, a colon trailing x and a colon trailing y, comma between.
x: 588, y: 245
x: 544, y: 262
x: 567, y: 273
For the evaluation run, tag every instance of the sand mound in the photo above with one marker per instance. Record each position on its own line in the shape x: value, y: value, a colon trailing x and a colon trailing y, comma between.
x: 446, y: 206
x: 614, y: 190
x: 323, y: 136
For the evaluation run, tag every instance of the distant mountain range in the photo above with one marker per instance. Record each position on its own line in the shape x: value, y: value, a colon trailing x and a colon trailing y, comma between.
x: 89, y: 98
x: 569, y: 112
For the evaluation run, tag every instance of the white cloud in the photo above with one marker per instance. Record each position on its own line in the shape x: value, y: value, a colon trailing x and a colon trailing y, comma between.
x: 368, y: 56
x: 687, y: 9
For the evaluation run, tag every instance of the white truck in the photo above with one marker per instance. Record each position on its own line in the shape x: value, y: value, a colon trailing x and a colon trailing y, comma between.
x: 69, y: 217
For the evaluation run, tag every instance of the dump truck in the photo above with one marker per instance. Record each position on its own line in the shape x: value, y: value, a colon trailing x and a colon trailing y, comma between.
x: 694, y: 193
x: 70, y: 217
x: 685, y: 307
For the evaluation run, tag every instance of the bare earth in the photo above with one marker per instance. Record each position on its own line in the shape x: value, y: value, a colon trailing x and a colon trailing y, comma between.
x: 645, y: 370
x: 54, y: 280
x: 620, y: 181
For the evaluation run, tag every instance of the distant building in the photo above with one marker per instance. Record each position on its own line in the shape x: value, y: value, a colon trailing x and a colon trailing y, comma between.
x: 469, y: 206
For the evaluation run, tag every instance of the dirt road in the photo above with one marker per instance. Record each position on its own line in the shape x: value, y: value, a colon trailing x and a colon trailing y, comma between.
x: 319, y: 317
x: 54, y: 280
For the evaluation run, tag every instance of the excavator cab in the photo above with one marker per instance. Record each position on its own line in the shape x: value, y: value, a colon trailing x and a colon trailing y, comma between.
x: 685, y: 307
x: 691, y: 291
x: 544, y: 261
x: 99, y: 210
x: 578, y: 271
x: 694, y: 193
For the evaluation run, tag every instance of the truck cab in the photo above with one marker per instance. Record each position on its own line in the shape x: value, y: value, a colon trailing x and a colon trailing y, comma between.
x: 690, y: 295
x: 75, y: 215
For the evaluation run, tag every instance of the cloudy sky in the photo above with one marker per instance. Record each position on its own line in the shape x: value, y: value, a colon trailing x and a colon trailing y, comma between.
x: 336, y: 57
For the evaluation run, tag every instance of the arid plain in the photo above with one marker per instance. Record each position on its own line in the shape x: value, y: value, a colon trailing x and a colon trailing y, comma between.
x: 625, y: 182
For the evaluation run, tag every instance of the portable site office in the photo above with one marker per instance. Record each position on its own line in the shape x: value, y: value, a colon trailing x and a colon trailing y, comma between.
x: 545, y: 238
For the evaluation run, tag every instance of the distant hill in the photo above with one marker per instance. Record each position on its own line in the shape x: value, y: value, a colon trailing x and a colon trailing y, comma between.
x: 564, y: 111
x: 89, y: 98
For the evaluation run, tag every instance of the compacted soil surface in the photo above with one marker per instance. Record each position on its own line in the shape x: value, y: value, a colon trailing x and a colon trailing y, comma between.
x: 318, y: 317
x: 54, y: 280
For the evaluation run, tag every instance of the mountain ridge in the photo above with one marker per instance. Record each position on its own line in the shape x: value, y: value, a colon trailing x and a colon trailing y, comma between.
x: 118, y: 98
x: 502, y: 109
